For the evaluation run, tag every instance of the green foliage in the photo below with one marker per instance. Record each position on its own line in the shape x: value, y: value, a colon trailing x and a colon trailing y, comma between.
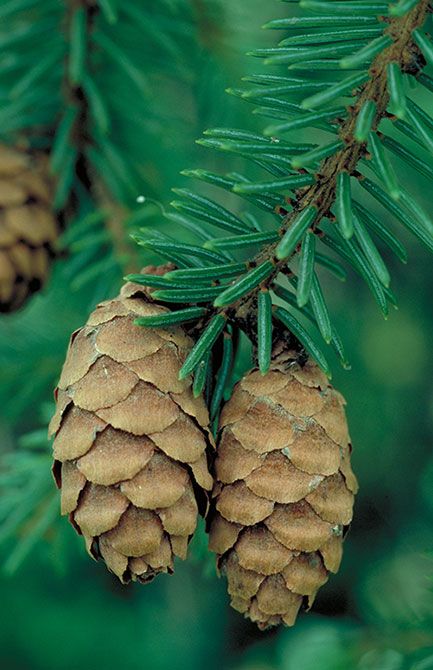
x: 343, y: 205
x: 379, y: 609
x: 171, y: 58
x: 365, y: 119
x: 306, y: 269
x: 264, y: 331
x: 96, y: 79
x: 321, y: 181
x: 89, y: 101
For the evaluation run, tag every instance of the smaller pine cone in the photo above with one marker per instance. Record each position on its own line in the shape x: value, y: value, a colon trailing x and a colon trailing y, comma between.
x: 284, y: 490
x: 131, y: 441
x: 28, y: 229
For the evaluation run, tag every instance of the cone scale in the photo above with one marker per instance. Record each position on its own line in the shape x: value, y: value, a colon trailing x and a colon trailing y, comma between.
x: 28, y: 228
x: 284, y: 489
x: 131, y: 441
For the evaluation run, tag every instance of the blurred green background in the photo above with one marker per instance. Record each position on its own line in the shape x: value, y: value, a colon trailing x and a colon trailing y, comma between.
x: 60, y: 610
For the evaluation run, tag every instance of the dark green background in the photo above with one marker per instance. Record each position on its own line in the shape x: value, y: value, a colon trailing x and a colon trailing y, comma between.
x: 61, y: 611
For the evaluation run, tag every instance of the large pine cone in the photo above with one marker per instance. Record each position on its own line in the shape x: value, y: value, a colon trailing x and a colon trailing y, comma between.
x: 28, y: 229
x: 284, y: 490
x: 131, y: 441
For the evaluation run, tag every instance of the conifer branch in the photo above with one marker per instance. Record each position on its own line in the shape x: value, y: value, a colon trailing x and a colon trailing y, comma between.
x: 319, y: 179
x: 68, y: 153
x: 321, y: 195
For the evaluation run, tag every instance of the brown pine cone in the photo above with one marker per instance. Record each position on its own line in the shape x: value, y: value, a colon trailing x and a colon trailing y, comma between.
x: 131, y: 441
x: 28, y: 229
x: 284, y: 490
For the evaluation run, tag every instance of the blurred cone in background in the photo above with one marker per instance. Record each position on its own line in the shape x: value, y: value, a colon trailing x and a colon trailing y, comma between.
x: 284, y: 489
x: 131, y: 441
x: 28, y: 228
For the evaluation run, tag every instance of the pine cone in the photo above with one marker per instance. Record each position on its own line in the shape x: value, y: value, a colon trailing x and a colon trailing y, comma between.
x: 284, y: 490
x: 131, y: 441
x: 28, y: 229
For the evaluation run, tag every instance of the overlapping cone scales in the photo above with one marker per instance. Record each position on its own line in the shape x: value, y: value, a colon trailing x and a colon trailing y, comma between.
x: 131, y: 441
x: 284, y: 490
x: 28, y: 229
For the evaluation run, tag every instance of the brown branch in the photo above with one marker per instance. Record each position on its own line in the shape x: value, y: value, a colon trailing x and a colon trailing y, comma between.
x: 209, y: 31
x: 76, y: 96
